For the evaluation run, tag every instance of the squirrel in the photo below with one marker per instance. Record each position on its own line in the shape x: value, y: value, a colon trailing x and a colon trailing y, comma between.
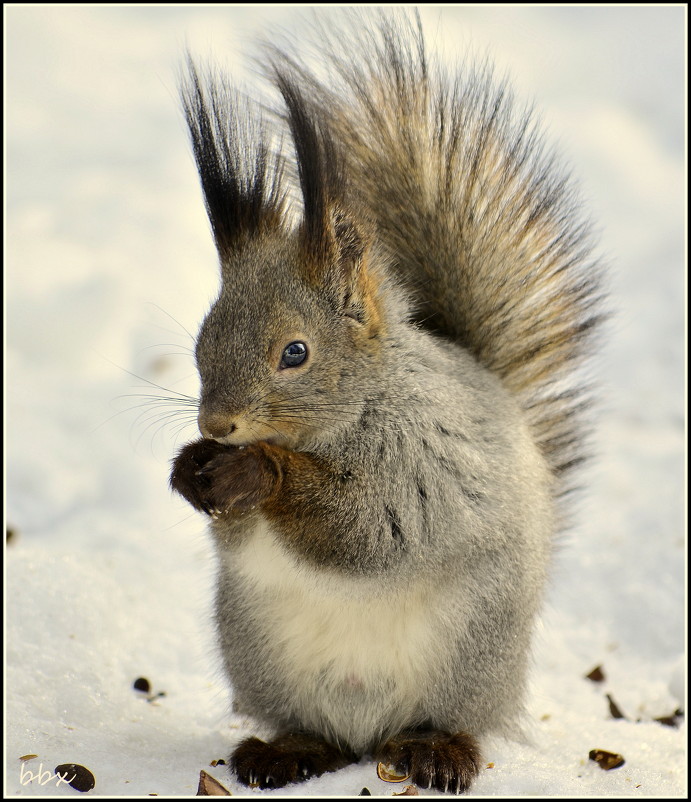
x: 391, y: 406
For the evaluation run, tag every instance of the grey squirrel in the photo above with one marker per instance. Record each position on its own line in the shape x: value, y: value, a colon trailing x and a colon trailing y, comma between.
x: 390, y: 405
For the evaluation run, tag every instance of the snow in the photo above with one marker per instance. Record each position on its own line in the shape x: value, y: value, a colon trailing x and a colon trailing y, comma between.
x: 110, y: 264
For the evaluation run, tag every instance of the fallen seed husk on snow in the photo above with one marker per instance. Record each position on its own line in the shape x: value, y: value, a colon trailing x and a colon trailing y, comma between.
x: 614, y: 710
x: 596, y: 675
x: 210, y: 786
x: 142, y: 684
x: 388, y: 774
x: 79, y: 777
x: 606, y: 760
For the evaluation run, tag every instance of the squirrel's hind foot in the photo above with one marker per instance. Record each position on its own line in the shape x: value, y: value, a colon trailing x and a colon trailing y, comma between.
x: 434, y: 759
x: 289, y: 758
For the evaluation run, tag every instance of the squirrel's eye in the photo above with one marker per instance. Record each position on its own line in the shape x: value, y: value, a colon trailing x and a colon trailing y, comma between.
x: 294, y: 354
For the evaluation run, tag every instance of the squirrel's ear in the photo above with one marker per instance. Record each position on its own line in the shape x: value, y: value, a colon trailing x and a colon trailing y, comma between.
x: 318, y: 168
x: 344, y: 273
x: 241, y: 180
x: 334, y: 245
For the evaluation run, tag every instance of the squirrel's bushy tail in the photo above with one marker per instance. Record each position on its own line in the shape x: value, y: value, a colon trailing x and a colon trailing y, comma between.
x: 480, y: 220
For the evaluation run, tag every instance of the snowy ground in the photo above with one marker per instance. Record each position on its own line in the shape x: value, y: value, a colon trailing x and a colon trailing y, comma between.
x: 108, y: 577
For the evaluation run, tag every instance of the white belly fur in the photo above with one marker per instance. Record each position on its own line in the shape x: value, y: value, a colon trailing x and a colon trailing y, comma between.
x: 355, y: 658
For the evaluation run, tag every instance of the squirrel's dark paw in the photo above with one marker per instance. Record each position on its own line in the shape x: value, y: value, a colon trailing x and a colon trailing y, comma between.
x: 434, y: 759
x: 185, y: 476
x: 289, y: 758
x: 217, y: 479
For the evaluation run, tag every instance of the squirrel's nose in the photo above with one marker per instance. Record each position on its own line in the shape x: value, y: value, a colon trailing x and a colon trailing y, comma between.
x: 215, y: 425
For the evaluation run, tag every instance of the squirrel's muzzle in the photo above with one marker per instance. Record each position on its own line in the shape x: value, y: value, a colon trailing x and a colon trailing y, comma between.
x: 215, y: 425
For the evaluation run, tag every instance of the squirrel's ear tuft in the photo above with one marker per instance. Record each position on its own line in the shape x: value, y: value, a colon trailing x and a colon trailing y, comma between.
x: 350, y: 239
x: 326, y: 233
x: 334, y: 240
x: 241, y: 181
x: 317, y: 168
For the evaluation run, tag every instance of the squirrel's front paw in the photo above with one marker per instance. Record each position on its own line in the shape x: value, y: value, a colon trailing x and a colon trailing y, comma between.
x: 217, y: 479
x: 185, y: 477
